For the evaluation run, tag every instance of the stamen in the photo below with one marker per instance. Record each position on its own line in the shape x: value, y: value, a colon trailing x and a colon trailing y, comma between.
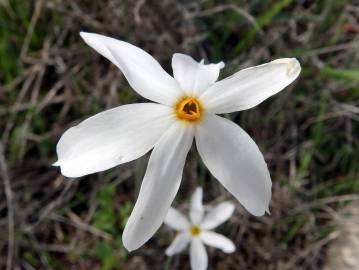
x: 189, y: 109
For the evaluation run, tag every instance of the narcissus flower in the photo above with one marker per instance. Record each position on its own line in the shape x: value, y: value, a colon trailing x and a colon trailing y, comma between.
x: 186, y: 107
x: 197, y: 230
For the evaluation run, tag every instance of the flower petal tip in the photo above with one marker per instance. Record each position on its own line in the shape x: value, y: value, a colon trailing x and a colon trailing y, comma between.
x: 128, y: 242
x: 293, y: 66
x: 221, y: 65
x: 56, y: 164
x: 84, y: 34
x: 87, y: 36
x: 257, y: 212
x: 233, y: 207
x: 199, y: 189
x: 126, y: 246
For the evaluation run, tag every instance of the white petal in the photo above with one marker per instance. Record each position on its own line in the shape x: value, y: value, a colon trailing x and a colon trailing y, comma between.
x: 176, y: 220
x: 217, y: 215
x: 193, y: 77
x: 112, y: 137
x: 235, y: 160
x: 219, y: 241
x: 196, y: 210
x: 143, y: 72
x: 159, y: 186
x: 179, y: 244
x: 249, y: 87
x: 198, y: 255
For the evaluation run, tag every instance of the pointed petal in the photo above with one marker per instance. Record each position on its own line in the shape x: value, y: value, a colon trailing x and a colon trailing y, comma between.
x: 159, y: 186
x: 198, y: 255
x: 193, y: 77
x: 176, y: 220
x: 112, y: 137
x: 217, y: 215
x: 218, y: 241
x: 249, y: 87
x: 235, y: 160
x: 179, y: 244
x: 143, y: 72
x: 196, y: 210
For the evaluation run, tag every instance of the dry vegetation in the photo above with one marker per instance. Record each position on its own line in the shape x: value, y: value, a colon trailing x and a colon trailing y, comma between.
x: 50, y: 80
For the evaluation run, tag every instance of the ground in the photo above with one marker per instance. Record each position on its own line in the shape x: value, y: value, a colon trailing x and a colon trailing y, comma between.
x: 343, y: 251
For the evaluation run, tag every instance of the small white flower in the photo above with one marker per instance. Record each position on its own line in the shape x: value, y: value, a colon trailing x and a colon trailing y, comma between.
x: 187, y: 107
x: 197, y: 230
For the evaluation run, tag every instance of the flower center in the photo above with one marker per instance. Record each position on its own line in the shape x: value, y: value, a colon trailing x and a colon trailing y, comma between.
x: 195, y: 230
x: 189, y: 109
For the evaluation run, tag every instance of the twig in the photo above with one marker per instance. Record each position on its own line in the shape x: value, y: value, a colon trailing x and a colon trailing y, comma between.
x: 330, y: 49
x: 10, y: 207
x: 50, y: 207
x: 30, y: 31
x: 76, y: 222
x: 320, y: 202
x: 136, y: 10
x: 222, y: 8
x: 43, y: 258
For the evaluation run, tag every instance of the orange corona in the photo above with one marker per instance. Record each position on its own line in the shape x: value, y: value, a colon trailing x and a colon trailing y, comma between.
x: 189, y: 109
x: 195, y: 230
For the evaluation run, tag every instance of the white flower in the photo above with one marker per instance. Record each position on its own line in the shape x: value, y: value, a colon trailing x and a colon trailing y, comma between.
x: 187, y: 107
x: 197, y: 230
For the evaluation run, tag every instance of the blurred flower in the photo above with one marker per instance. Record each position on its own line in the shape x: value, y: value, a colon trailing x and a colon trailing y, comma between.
x: 197, y: 230
x: 187, y: 107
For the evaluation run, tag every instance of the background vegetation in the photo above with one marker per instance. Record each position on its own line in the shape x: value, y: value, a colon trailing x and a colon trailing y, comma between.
x: 50, y: 80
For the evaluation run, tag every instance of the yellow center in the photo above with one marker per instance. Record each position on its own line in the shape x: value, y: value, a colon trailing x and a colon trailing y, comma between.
x: 189, y: 109
x: 195, y: 230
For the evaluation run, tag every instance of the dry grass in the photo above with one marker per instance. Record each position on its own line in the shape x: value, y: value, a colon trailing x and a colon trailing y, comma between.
x: 50, y: 80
